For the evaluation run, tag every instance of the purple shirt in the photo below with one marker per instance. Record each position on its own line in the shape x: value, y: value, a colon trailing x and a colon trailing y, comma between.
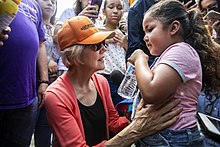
x: 18, y: 57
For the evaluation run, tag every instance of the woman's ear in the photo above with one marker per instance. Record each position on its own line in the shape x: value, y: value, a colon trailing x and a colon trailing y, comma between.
x: 174, y: 27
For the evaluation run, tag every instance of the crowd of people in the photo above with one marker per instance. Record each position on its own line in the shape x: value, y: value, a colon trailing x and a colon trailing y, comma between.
x: 55, y: 78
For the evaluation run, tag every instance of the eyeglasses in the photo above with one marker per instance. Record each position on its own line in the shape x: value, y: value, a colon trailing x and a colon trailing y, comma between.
x: 98, y: 46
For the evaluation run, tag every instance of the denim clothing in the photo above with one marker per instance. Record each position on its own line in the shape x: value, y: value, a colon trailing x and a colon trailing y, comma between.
x: 17, y: 125
x: 42, y: 133
x: 210, y: 106
x: 135, y: 30
x: 175, y: 138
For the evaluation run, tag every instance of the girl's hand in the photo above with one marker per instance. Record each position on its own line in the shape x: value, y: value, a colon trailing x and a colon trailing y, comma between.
x: 138, y: 53
x: 4, y: 35
x: 89, y: 11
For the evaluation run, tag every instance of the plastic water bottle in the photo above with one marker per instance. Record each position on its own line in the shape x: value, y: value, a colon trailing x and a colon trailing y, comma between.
x: 8, y: 10
x: 128, y: 87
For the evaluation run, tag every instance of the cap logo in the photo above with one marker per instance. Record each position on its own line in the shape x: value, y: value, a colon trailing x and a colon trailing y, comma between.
x: 87, y: 26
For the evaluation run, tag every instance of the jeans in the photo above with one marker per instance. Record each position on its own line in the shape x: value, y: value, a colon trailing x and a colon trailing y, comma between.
x: 17, y: 125
x: 42, y: 133
x: 210, y: 106
x: 175, y: 138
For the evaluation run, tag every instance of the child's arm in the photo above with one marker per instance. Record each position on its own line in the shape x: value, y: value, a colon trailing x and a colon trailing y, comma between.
x: 156, y: 85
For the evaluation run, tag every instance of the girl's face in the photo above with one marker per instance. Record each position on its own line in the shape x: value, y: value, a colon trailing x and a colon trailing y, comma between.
x: 48, y: 7
x: 208, y: 5
x: 113, y: 11
x: 157, y: 38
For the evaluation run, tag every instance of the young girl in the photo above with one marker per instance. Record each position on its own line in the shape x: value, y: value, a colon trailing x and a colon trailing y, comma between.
x: 116, y: 49
x: 188, y: 59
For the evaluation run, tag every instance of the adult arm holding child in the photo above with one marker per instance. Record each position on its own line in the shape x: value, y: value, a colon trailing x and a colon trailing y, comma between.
x: 148, y: 120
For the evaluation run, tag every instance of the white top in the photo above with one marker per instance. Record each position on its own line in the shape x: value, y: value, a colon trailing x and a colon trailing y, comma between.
x: 114, y: 57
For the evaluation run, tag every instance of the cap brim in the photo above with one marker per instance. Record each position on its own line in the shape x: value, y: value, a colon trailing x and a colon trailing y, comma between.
x: 98, y: 37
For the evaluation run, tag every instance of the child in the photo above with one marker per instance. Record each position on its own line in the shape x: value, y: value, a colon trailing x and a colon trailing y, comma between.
x: 188, y: 59
x: 117, y: 46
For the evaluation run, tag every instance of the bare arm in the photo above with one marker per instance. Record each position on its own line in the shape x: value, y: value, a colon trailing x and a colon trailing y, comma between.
x: 147, y: 122
x: 155, y: 85
x: 43, y: 70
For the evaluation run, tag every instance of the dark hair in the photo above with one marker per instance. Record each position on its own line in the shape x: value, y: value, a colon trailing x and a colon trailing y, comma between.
x: 53, y: 18
x: 194, y: 33
x: 78, y: 6
x: 105, y: 3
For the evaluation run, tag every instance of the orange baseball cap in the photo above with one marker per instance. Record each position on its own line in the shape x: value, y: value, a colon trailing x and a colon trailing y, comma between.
x: 80, y: 30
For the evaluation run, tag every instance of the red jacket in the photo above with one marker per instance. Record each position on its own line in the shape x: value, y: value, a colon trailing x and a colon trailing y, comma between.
x: 64, y: 115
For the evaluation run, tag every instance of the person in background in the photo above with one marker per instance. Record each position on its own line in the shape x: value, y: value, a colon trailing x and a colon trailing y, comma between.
x: 18, y: 95
x: 116, y: 46
x: 135, y: 30
x: 209, y: 104
x: 211, y: 5
x: 42, y: 133
x: 79, y: 105
x: 187, y: 59
x: 81, y: 8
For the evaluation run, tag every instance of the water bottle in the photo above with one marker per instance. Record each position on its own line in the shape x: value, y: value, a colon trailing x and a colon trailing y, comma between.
x: 128, y: 87
x: 8, y: 10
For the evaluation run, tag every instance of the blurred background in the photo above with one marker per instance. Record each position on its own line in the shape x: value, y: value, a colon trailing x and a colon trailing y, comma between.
x: 62, y: 5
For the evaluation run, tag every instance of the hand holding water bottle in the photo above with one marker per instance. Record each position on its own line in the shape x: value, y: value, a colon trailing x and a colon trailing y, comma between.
x: 137, y: 54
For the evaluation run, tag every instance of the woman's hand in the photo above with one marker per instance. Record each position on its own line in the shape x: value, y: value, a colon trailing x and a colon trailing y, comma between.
x: 4, y: 35
x: 123, y: 25
x: 147, y: 121
x: 153, y: 119
x: 41, y: 94
x: 213, y: 19
x: 121, y: 39
x: 137, y: 54
x: 89, y: 11
x: 190, y: 5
